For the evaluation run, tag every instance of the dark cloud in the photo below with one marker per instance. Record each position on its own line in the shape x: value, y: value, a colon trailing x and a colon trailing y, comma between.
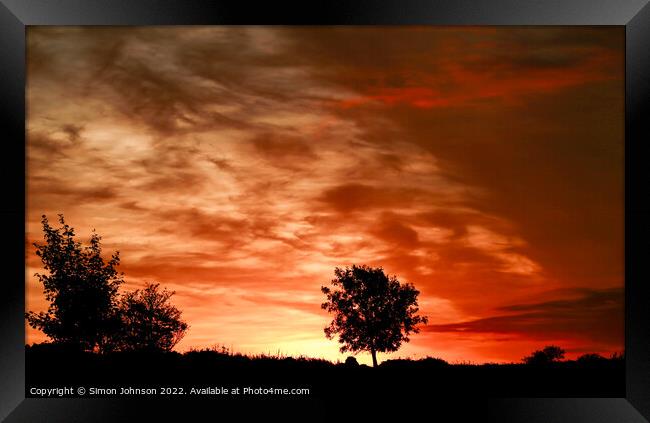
x: 169, y: 168
x: 82, y: 193
x: 392, y: 230
x: 359, y: 197
x: 596, y: 315
x: 590, y: 300
x: 43, y: 147
x: 222, y: 164
x: 283, y: 150
x: 132, y: 205
x: 217, y: 227
x: 46, y: 145
x: 73, y: 131
x: 456, y: 221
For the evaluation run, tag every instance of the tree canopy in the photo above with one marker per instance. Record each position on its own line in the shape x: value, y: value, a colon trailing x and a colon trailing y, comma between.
x: 81, y: 287
x: 372, y: 311
x: 86, y: 311
x: 149, y: 321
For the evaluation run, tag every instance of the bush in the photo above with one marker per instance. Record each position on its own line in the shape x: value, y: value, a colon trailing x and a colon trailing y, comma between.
x: 351, y: 362
x: 550, y: 354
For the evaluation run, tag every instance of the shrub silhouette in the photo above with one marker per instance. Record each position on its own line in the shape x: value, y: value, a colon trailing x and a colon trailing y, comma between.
x: 351, y: 362
x: 550, y: 354
x: 149, y: 322
x: 591, y: 359
x: 423, y: 363
x: 372, y: 312
x: 81, y: 288
x: 433, y: 362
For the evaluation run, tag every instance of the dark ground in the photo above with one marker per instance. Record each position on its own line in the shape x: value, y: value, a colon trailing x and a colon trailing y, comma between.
x: 48, y: 367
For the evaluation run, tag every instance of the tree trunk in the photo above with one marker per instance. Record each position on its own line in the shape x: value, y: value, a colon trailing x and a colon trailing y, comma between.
x: 374, y: 357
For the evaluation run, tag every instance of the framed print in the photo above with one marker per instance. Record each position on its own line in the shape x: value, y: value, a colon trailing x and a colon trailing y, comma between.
x: 405, y: 206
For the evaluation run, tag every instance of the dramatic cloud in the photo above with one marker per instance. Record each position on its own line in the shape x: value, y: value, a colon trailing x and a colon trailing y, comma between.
x: 594, y: 316
x: 239, y: 165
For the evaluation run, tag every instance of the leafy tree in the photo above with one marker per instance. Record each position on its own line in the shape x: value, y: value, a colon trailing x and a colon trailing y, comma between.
x: 549, y: 354
x: 149, y: 321
x: 373, y: 312
x: 81, y: 288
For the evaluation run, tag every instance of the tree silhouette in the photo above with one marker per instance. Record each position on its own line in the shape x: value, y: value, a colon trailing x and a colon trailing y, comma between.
x: 81, y: 288
x: 549, y: 354
x: 373, y: 312
x: 149, y: 321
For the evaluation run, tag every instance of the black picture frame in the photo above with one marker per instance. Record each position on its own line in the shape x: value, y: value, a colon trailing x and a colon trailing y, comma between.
x: 634, y: 15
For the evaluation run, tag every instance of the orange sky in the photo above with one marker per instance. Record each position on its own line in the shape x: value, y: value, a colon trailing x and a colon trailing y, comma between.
x: 239, y: 165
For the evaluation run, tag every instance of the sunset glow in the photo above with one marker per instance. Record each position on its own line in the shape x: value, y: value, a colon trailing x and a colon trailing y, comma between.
x: 239, y: 166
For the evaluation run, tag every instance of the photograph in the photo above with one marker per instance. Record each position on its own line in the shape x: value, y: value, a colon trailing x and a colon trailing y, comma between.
x: 300, y: 212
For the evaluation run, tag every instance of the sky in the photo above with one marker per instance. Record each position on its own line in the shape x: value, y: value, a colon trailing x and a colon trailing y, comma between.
x: 238, y: 166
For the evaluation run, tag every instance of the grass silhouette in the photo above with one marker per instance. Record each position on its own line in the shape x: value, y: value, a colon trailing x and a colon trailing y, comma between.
x: 48, y: 364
